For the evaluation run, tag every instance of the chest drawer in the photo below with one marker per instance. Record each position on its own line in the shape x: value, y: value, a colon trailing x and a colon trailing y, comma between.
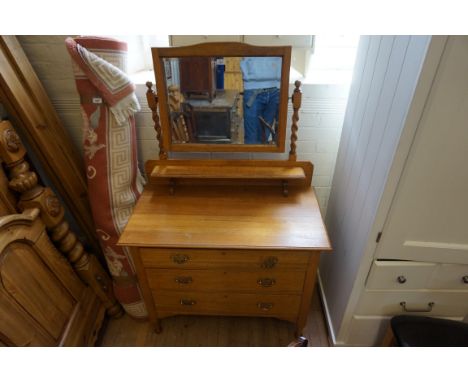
x: 451, y: 276
x: 213, y: 258
x: 261, y: 281
x: 399, y: 275
x: 277, y: 305
x: 430, y: 303
x: 406, y: 275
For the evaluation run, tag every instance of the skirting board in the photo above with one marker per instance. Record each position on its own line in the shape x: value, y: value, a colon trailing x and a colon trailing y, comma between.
x: 327, y: 312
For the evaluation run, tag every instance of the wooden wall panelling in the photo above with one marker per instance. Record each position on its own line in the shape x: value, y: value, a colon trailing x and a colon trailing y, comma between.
x: 29, y: 106
x: 33, y: 195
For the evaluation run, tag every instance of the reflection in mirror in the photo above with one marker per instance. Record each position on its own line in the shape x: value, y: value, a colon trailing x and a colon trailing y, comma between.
x: 221, y: 100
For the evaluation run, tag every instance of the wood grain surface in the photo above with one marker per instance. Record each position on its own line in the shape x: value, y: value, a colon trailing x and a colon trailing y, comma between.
x: 253, y: 217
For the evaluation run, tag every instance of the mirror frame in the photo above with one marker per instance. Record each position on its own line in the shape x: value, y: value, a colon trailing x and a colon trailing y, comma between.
x: 223, y: 49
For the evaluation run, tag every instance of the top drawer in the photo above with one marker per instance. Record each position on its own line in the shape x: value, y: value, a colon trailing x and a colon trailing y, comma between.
x: 451, y: 276
x: 400, y: 275
x: 396, y: 275
x: 213, y: 258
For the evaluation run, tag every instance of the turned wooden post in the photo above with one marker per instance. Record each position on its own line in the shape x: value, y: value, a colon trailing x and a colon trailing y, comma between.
x: 33, y: 195
x: 152, y: 99
x: 296, y: 102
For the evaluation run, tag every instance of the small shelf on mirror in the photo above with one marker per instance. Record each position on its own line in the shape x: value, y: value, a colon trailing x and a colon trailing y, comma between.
x: 227, y: 172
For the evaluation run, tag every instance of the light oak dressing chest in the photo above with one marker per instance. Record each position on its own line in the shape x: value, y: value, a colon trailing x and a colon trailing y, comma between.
x: 226, y: 237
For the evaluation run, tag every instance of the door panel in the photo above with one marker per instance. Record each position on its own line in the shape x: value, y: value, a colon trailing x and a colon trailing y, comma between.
x: 428, y: 218
x: 17, y: 327
x: 29, y: 282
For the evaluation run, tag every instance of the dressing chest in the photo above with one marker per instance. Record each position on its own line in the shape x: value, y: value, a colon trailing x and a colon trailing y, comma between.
x: 227, y: 237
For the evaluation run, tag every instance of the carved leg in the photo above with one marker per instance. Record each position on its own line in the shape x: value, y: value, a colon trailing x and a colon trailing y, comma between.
x: 33, y: 195
x: 152, y: 99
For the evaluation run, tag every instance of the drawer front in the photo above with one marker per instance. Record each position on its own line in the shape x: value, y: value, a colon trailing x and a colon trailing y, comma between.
x: 212, y: 258
x: 400, y: 275
x: 389, y: 303
x: 451, y: 276
x: 227, y: 304
x: 288, y: 281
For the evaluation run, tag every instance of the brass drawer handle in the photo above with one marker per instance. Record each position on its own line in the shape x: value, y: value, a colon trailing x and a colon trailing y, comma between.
x: 265, y: 306
x: 180, y: 259
x: 465, y: 279
x: 429, y: 308
x: 266, y: 282
x: 270, y: 262
x: 183, y: 280
x: 188, y: 302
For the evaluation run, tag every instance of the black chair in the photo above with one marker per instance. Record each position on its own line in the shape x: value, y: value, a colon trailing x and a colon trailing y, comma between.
x: 427, y: 331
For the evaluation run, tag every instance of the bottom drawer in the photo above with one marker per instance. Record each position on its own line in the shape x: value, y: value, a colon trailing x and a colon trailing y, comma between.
x: 430, y: 303
x: 273, y: 305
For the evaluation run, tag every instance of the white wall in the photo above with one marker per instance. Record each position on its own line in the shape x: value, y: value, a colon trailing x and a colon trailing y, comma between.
x: 321, y: 114
x: 385, y: 77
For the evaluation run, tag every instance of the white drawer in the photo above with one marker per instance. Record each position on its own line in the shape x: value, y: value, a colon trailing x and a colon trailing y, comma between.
x: 389, y: 303
x: 450, y: 276
x: 400, y: 275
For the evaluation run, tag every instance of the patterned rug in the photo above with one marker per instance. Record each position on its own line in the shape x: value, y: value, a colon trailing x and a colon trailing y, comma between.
x: 108, y: 104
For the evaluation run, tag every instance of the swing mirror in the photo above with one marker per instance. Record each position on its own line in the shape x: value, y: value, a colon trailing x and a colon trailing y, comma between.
x: 223, y: 97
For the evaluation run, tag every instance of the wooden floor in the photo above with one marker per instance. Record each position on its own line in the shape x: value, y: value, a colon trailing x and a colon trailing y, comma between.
x: 215, y: 331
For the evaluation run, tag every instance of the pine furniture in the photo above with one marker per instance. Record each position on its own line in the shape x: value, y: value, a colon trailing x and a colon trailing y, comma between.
x: 226, y: 237
x: 52, y: 291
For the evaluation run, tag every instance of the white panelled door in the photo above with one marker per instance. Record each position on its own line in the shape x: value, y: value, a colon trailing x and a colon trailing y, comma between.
x: 428, y: 220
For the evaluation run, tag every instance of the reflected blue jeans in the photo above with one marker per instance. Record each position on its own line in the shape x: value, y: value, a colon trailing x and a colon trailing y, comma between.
x: 259, y: 103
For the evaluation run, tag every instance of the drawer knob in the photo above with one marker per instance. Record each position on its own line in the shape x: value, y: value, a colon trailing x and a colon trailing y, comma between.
x: 266, y: 282
x: 270, y: 262
x: 465, y: 279
x: 187, y: 302
x: 180, y: 259
x: 183, y: 280
x: 430, y: 305
x: 265, y: 306
x: 401, y: 279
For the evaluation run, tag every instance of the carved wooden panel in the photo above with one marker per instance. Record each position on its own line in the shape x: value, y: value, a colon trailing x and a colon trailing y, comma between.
x: 28, y: 280
x: 28, y: 105
x: 17, y: 327
x: 42, y: 300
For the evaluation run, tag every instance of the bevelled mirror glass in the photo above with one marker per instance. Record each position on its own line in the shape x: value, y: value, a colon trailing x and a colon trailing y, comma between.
x: 223, y: 97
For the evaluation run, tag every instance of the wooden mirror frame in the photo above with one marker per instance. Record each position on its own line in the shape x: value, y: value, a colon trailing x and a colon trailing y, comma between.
x: 225, y: 49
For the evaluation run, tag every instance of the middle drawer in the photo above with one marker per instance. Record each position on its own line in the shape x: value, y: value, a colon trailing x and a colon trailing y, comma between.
x: 290, y: 281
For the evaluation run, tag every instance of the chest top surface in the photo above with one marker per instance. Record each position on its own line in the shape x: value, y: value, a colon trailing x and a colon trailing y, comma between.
x: 239, y: 217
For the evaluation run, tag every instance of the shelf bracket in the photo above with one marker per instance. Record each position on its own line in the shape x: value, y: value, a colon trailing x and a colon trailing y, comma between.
x: 172, y: 184
x: 285, y: 188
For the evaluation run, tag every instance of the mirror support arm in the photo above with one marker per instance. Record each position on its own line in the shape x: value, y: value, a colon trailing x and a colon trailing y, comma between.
x: 152, y: 99
x: 296, y: 101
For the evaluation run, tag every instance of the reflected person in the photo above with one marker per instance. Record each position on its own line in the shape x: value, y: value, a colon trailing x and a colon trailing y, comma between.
x: 261, y: 77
